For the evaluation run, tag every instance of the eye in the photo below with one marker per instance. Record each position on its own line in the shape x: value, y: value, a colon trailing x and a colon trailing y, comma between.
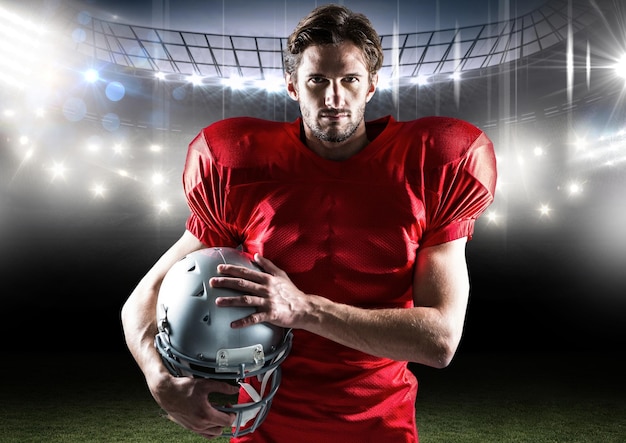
x: 350, y: 79
x: 317, y: 80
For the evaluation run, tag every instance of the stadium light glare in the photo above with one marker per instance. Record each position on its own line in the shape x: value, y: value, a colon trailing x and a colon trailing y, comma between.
x: 157, y: 178
x: 98, y: 190
x: 195, y: 79
x: 420, y: 80
x: 25, y: 52
x: 163, y: 206
x: 384, y: 82
x: 28, y: 155
x: 544, y: 210
x: 10, y: 18
x: 581, y: 144
x: 492, y: 217
x: 91, y: 75
x: 271, y: 85
x: 575, y: 188
x: 235, y: 83
x: 620, y: 67
x: 58, y: 170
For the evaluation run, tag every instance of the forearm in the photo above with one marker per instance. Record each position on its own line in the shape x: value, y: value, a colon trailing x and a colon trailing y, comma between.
x: 429, y: 333
x: 139, y: 311
x: 421, y: 334
x: 139, y: 327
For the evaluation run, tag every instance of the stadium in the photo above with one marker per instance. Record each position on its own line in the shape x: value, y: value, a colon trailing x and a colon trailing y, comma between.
x: 98, y: 104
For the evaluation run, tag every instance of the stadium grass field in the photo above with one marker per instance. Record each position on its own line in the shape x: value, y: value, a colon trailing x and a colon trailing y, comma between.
x: 536, y: 398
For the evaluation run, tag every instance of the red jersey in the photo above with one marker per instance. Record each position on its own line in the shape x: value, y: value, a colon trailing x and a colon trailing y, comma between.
x: 349, y: 231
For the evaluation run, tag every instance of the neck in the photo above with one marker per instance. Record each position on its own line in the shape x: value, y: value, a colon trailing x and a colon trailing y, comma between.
x: 336, y: 151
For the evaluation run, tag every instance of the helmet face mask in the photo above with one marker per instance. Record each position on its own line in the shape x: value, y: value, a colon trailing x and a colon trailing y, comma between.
x: 195, y: 338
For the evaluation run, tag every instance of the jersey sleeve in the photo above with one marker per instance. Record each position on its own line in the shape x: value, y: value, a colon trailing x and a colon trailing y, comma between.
x: 204, y: 189
x: 460, y: 183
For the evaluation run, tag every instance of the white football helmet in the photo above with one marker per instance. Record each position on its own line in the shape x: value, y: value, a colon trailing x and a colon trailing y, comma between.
x: 195, y: 338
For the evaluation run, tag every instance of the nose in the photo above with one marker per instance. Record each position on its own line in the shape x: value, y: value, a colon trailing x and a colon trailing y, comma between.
x: 335, y: 96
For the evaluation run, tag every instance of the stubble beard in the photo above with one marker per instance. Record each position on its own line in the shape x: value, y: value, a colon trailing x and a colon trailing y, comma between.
x: 332, y: 135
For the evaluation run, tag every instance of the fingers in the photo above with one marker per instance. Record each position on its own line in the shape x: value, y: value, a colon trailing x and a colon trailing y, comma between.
x: 266, y: 264
x: 212, y: 433
x: 213, y: 428
x: 220, y: 387
x: 187, y: 402
x: 268, y: 292
x: 268, y: 267
x: 241, y: 272
x: 251, y: 286
x: 244, y: 301
x: 209, y: 431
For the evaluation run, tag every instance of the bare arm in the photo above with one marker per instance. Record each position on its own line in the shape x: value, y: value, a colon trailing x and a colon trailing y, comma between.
x: 428, y: 333
x: 139, y: 311
x: 185, y: 399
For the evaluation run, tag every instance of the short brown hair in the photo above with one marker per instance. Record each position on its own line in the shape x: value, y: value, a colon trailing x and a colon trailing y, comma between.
x: 334, y: 24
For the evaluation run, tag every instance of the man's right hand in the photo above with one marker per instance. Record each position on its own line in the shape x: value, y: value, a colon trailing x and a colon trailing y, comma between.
x: 186, y: 401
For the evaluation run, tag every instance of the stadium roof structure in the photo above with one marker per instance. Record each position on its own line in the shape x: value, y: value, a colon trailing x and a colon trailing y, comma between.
x: 147, y: 50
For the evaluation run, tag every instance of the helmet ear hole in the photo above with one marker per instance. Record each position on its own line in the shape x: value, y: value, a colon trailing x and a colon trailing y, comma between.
x: 199, y: 342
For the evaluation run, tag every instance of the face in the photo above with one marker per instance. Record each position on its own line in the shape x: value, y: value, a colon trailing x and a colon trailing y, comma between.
x: 332, y: 86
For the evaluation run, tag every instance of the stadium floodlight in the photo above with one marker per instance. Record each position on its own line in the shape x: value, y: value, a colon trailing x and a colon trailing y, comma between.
x: 581, y: 143
x: 91, y: 75
x: 58, y: 170
x: 492, y: 217
x: 575, y: 188
x: 163, y: 206
x: 195, y: 79
x: 157, y: 179
x: 98, y: 190
x: 544, y: 210
x: 23, y: 50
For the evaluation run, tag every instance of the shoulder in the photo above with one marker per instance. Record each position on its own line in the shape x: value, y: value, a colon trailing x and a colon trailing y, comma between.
x: 241, y: 127
x: 446, y: 126
x: 445, y: 139
x: 445, y: 131
x: 239, y: 140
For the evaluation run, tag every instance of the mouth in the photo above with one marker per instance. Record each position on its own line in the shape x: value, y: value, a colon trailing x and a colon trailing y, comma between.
x: 334, y: 115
